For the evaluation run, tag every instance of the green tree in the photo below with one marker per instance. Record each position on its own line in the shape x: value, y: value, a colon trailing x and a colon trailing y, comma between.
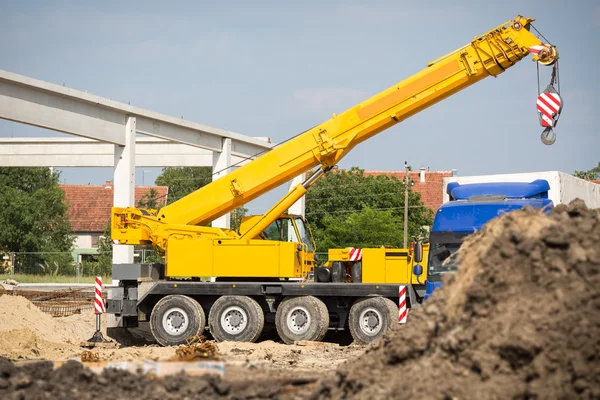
x: 236, y: 218
x: 368, y: 228
x: 183, y: 180
x: 33, y: 219
x: 150, y: 199
x: 105, y: 252
x: 592, y: 174
x: 347, y: 208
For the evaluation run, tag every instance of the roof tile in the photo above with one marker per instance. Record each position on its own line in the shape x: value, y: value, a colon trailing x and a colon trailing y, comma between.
x: 89, y: 205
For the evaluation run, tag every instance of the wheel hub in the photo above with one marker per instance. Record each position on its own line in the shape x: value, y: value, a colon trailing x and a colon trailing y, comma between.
x: 175, y: 321
x: 234, y: 320
x: 370, y: 321
x: 298, y: 320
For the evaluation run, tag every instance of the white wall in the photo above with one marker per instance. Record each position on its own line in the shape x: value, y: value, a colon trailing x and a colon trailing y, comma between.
x: 83, y: 241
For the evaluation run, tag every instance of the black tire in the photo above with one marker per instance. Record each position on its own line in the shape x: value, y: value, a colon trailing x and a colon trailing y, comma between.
x: 323, y: 274
x: 394, y: 312
x: 357, y: 272
x: 236, y: 319
x: 175, y: 318
x: 371, y: 317
x: 338, y: 272
x: 302, y: 318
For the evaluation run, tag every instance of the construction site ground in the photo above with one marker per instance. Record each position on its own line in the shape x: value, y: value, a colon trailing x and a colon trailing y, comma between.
x: 29, y: 334
x: 520, y: 319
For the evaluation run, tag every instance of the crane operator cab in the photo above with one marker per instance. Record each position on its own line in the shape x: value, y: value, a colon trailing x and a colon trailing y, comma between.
x: 287, y: 228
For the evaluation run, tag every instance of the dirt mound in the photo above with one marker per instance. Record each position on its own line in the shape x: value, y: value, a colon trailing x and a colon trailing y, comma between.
x: 16, y: 313
x: 73, y: 381
x: 521, y: 320
x: 27, y: 332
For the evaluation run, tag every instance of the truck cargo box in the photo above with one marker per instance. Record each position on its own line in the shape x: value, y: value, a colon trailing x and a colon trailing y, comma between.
x: 563, y: 187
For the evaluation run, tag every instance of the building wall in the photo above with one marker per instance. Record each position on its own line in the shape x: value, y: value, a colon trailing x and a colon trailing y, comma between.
x: 86, y: 240
x: 83, y: 241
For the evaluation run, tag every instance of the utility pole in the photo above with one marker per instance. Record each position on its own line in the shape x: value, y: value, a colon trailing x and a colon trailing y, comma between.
x: 405, y: 205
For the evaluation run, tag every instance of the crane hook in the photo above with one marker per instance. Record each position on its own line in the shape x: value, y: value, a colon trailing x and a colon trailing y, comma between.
x: 546, y: 138
x: 549, y: 106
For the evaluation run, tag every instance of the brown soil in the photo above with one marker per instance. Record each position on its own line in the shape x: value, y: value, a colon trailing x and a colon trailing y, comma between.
x: 27, y: 334
x: 73, y: 381
x: 16, y: 312
x: 520, y: 320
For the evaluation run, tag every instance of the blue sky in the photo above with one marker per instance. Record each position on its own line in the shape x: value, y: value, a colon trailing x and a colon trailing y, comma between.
x: 267, y: 68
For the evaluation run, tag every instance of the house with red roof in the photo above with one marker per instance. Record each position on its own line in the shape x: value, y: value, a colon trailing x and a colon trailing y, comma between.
x: 90, y: 205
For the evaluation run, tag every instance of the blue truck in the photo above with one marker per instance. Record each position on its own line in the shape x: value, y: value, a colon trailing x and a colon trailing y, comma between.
x: 469, y: 208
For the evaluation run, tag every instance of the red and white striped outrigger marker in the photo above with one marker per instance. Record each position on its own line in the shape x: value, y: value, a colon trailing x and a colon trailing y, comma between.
x: 402, y: 310
x: 99, y: 306
x: 355, y: 254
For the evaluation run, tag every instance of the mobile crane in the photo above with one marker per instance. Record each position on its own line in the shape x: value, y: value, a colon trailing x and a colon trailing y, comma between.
x: 253, y: 265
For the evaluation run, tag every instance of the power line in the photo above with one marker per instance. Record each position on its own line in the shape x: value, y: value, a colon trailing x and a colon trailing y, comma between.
x: 360, y: 210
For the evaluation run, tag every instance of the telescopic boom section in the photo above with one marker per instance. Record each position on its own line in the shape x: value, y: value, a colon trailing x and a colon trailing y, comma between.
x: 324, y: 145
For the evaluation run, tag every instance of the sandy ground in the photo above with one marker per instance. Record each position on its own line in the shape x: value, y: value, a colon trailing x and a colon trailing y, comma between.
x: 28, y: 334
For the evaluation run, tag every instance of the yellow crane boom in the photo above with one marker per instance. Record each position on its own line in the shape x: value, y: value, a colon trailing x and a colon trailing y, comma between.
x: 324, y: 145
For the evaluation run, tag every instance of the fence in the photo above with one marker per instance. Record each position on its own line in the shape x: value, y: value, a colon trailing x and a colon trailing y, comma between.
x: 63, y: 267
x: 70, y: 267
x: 58, y: 303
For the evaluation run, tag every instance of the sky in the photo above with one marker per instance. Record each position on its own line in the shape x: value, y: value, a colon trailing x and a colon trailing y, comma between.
x: 275, y: 68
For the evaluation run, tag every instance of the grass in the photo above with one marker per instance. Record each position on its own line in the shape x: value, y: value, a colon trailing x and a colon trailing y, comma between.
x: 27, y: 278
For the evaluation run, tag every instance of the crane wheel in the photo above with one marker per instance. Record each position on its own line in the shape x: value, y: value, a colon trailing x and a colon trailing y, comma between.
x: 302, y: 318
x: 175, y: 318
x: 236, y: 319
x: 371, y: 317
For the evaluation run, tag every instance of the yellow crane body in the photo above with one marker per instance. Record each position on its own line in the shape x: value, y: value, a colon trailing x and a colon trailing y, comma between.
x: 193, y: 249
x: 233, y: 258
x: 383, y: 265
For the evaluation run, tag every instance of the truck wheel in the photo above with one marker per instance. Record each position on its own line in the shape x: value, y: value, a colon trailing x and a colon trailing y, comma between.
x: 175, y: 318
x: 371, y: 317
x: 302, y: 318
x: 236, y: 319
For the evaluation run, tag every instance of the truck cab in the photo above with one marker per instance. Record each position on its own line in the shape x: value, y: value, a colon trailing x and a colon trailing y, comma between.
x: 469, y: 208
